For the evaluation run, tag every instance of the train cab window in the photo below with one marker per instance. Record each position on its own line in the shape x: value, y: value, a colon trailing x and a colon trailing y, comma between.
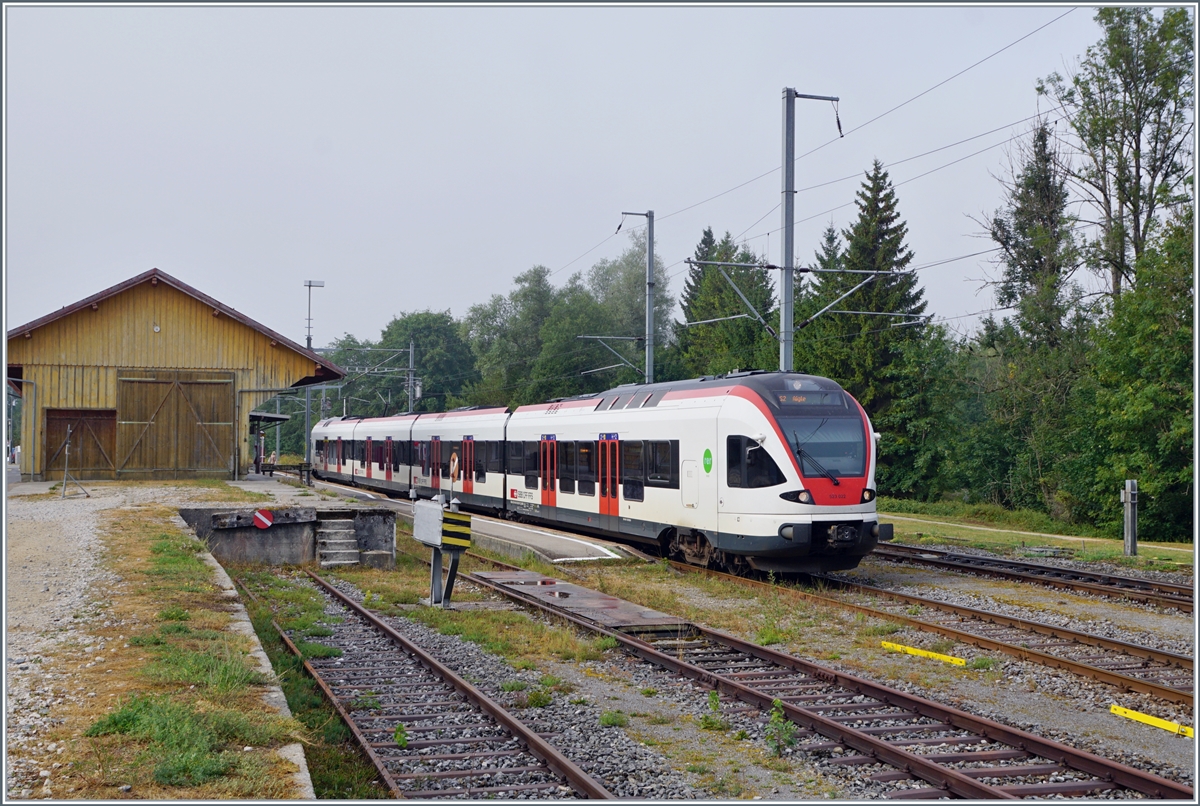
x: 585, y: 467
x: 631, y: 470
x: 531, y: 465
x: 566, y: 466
x: 516, y: 459
x: 748, y: 465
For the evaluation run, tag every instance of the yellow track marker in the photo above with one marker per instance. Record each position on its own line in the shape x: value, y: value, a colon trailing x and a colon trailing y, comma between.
x: 912, y: 650
x: 1137, y: 716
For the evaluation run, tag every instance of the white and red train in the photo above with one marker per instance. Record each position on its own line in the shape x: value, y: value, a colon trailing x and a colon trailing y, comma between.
x: 771, y: 471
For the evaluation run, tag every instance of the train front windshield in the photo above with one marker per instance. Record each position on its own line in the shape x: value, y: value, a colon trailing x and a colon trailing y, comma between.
x: 825, y: 432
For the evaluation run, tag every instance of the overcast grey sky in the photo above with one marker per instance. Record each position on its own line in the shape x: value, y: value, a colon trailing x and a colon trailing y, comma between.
x: 420, y: 158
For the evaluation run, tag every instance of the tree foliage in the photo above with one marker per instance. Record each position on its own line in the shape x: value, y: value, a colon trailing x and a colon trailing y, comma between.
x: 709, y: 293
x: 1129, y: 107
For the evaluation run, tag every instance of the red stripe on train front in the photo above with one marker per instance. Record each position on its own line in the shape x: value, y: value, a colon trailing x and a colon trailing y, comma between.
x: 824, y: 492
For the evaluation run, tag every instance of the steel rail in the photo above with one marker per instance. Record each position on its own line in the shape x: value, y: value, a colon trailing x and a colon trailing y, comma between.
x: 1122, y: 681
x: 952, y: 780
x: 989, y: 567
x: 1000, y: 620
x: 362, y: 740
x: 1099, y: 577
x: 579, y: 780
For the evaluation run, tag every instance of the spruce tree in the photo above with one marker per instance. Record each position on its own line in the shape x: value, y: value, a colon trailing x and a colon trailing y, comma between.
x: 1038, y: 252
x: 717, y: 347
x: 878, y: 359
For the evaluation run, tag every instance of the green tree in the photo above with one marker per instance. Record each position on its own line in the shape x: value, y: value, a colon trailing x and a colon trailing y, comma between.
x: 1129, y: 105
x: 717, y: 347
x: 871, y: 356
x: 1136, y: 409
x: 619, y: 286
x: 505, y: 336
x: 1038, y: 252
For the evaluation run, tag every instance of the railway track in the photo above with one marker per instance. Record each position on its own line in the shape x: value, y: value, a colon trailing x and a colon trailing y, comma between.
x: 932, y: 750
x: 1160, y: 594
x: 453, y: 741
x: 1127, y: 666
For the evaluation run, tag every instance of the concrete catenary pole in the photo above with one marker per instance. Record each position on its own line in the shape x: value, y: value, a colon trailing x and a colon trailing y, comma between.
x: 787, y: 276
x: 650, y: 296
x: 787, y: 280
x: 411, y: 368
x: 649, y: 214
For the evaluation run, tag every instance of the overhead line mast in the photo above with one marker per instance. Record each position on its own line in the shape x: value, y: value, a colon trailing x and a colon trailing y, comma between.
x: 786, y: 292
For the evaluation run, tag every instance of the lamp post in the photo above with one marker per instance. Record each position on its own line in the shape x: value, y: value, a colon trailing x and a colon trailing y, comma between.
x: 310, y: 285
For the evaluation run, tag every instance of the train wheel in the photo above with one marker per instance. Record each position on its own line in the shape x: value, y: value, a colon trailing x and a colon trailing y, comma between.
x: 692, y: 548
x: 732, y: 564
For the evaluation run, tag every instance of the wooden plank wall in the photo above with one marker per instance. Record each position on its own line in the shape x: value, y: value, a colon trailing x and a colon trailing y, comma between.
x: 74, y: 361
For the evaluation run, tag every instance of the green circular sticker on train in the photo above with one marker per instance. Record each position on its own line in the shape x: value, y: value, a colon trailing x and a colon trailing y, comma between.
x: 707, y: 460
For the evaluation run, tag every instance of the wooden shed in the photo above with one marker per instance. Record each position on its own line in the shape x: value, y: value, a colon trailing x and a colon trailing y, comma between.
x: 153, y: 379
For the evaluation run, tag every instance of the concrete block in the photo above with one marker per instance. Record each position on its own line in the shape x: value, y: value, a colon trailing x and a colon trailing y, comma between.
x: 384, y: 560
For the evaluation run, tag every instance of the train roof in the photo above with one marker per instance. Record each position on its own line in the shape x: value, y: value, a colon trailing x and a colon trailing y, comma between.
x: 765, y: 382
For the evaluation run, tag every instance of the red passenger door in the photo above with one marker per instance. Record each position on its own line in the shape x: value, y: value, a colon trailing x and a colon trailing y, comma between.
x: 369, y: 456
x: 435, y: 463
x: 339, y: 455
x: 609, y: 475
x: 548, y: 469
x: 468, y: 465
x: 387, y: 459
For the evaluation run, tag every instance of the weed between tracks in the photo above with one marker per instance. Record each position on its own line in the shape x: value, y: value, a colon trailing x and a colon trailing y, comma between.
x: 339, y: 768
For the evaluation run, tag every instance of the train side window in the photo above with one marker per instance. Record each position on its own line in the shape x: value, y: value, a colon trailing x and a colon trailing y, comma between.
x: 444, y: 465
x: 516, y: 459
x: 749, y: 465
x: 585, y: 467
x: 631, y: 470
x: 379, y: 448
x: 495, y: 456
x: 735, y: 456
x: 761, y: 470
x: 531, y: 465
x: 659, y: 464
x: 566, y: 466
x: 426, y: 464
x: 479, y: 452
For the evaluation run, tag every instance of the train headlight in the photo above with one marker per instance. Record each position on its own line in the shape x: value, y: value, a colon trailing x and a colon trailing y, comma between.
x: 797, y: 496
x: 868, y: 496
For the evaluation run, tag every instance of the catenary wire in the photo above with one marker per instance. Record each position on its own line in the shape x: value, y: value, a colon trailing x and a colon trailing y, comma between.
x: 818, y: 148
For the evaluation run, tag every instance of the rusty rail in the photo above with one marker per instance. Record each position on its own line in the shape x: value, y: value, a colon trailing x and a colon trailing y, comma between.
x: 1138, y: 590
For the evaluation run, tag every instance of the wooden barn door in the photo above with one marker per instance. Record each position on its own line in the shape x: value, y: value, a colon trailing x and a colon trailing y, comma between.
x: 175, y: 424
x: 93, y: 443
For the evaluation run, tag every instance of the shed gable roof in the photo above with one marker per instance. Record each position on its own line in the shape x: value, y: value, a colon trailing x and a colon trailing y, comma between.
x: 159, y: 276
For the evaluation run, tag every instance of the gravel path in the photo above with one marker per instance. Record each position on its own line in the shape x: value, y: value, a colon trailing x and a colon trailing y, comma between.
x: 56, y: 592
